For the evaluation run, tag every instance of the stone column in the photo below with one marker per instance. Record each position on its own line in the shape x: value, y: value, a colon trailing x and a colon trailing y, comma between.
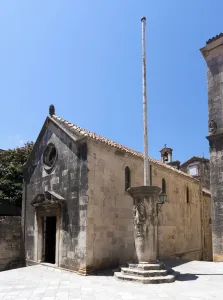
x: 145, y: 218
x: 147, y: 269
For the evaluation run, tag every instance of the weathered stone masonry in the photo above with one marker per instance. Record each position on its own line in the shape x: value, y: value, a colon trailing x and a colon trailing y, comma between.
x: 213, y: 54
x: 93, y: 210
x: 69, y: 180
x: 11, y: 243
x: 110, y: 239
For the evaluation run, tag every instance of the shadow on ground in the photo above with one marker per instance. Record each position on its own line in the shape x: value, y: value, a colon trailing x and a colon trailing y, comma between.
x: 185, y: 277
x: 107, y: 272
x: 170, y: 264
x: 188, y: 276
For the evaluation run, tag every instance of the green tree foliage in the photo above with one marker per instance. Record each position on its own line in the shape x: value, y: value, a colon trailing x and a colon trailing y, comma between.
x: 11, y: 173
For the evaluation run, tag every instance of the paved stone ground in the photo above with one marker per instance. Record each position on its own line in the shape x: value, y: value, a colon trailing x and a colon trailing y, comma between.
x: 198, y: 280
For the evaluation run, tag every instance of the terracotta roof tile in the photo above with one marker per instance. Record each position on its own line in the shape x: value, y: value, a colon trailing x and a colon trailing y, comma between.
x: 76, y: 129
x: 206, y: 191
x: 214, y: 38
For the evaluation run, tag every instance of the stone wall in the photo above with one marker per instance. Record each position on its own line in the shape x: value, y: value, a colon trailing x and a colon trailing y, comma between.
x: 203, y: 165
x: 205, y: 174
x: 11, y: 243
x: 179, y: 227
x: 110, y: 239
x: 216, y: 158
x: 69, y: 180
x: 207, y: 226
x: 213, y: 54
x: 109, y: 215
x: 9, y: 209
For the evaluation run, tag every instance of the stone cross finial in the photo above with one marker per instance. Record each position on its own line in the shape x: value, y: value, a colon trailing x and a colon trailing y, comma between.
x: 164, y: 145
x: 51, y: 110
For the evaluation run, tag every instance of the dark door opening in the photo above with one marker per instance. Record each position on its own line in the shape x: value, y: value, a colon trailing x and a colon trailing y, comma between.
x: 50, y: 239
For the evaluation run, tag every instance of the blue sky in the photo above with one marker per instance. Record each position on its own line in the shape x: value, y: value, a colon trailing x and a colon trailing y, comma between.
x: 84, y: 56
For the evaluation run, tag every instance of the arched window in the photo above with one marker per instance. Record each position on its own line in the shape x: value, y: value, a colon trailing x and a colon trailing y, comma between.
x: 127, y: 178
x: 187, y: 195
x: 163, y: 186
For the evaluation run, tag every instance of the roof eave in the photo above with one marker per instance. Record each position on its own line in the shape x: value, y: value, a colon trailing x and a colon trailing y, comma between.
x: 211, y: 45
x: 70, y: 127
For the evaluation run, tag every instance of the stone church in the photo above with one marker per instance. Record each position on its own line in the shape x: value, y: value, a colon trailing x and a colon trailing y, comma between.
x: 77, y: 213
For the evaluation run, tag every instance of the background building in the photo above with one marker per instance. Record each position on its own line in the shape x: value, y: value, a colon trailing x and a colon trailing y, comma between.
x: 199, y: 168
x: 196, y: 167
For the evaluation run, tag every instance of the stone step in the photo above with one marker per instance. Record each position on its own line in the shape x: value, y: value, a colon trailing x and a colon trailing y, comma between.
x: 146, y: 266
x: 145, y: 280
x: 143, y: 273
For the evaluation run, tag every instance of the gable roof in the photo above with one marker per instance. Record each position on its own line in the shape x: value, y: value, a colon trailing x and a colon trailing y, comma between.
x: 194, y: 159
x: 72, y: 128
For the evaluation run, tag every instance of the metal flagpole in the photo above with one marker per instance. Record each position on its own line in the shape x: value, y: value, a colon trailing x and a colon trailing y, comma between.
x: 145, y: 120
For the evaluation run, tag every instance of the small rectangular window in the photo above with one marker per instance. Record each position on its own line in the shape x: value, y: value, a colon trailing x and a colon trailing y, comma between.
x: 193, y: 170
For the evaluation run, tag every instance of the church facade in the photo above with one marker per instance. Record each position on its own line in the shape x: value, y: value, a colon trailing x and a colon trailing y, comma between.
x: 77, y: 213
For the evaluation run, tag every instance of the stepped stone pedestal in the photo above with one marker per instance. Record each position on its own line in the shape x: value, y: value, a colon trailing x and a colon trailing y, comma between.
x: 144, y: 272
x: 145, y: 219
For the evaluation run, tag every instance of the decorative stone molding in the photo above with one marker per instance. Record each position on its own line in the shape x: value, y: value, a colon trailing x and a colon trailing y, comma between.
x: 212, y: 127
x: 48, y: 197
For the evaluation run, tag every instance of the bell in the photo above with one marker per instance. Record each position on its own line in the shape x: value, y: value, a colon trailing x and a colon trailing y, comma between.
x: 165, y: 157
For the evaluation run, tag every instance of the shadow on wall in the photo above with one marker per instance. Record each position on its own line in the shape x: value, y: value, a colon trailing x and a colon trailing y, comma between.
x: 12, y: 254
x: 9, y: 209
x: 14, y: 264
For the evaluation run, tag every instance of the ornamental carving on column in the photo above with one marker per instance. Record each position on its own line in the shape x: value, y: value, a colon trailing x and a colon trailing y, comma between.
x: 212, y: 127
x: 151, y: 219
x: 139, y: 217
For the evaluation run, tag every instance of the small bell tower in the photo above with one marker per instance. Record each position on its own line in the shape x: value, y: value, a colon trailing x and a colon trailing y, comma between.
x: 166, y: 154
